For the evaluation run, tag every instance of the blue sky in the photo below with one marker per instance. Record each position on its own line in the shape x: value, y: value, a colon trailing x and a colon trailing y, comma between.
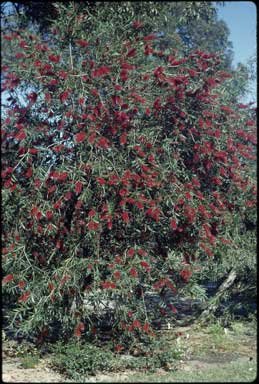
x: 240, y: 16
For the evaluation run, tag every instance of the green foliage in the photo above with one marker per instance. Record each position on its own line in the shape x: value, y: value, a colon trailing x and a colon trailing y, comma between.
x: 119, y: 175
x: 78, y: 360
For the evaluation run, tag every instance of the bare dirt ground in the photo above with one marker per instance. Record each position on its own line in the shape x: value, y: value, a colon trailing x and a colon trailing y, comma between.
x: 201, y: 351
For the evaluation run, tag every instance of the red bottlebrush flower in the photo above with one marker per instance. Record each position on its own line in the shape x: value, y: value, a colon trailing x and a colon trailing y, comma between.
x: 64, y: 279
x: 217, y: 134
x: 82, y: 43
x: 94, y: 92
x: 37, y: 183
x: 68, y: 196
x: 130, y: 314
x: 190, y: 214
x: 48, y: 97
x: 92, y: 225
x: 117, y: 260
x: 80, y: 137
x: 34, y: 211
x: 57, y: 205
x: 225, y: 241
x: 118, y: 87
x: 78, y: 329
x: 78, y: 204
x: 62, y: 176
x: 139, y: 204
x: 118, y: 348
x: 138, y: 98
x: 145, y: 265
x: 131, y: 52
x: 123, y: 138
x: 24, y: 297
x: 188, y: 196
x: 173, y: 309
x: 250, y: 123
x: 173, y: 225
x: 28, y: 173
x: 131, y: 252
x: 103, y: 143
x: 21, y: 284
x: 123, y: 192
x: 224, y: 75
x: 154, y: 213
x: 185, y: 274
x: 125, y: 217
x: 133, y: 272
x: 51, y: 286
x: 8, y: 278
x: 206, y: 249
x: 136, y: 324
x: 157, y: 103
x: 162, y: 311
x: 225, y: 108
x: 52, y: 189
x: 49, y: 215
x: 53, y: 82
x: 101, y: 181
x: 250, y: 203
x: 192, y: 73
x: 32, y: 97
x: 33, y: 151
x: 91, y: 138
x: 124, y: 75
x: 142, y: 252
x: 109, y: 224
x: 149, y: 37
x: 146, y: 327
x: 92, y: 213
x: 107, y: 285
x: 23, y: 44
x: 54, y: 58
x: 117, y: 275
x: 137, y: 24
x: 242, y: 106
x: 37, y: 63
x: 78, y: 187
x: 64, y: 96
x: 59, y: 244
x: 102, y: 71
x: 20, y: 135
x: 62, y: 75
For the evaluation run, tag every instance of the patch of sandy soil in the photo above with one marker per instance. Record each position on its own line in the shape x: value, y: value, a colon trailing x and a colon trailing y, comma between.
x: 13, y: 372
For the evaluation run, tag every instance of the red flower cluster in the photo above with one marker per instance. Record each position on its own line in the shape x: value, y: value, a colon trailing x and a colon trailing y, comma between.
x: 78, y: 329
x: 102, y: 71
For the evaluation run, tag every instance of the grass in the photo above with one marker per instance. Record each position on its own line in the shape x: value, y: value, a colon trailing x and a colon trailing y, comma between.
x: 30, y: 361
x: 225, y: 373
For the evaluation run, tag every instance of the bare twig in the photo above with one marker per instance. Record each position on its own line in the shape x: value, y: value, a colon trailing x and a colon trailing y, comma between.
x: 71, y: 57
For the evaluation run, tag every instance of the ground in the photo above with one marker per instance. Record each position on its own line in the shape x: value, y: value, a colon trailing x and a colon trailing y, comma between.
x: 209, y: 354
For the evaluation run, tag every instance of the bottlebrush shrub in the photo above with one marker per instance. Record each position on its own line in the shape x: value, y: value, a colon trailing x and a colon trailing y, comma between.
x: 119, y: 176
